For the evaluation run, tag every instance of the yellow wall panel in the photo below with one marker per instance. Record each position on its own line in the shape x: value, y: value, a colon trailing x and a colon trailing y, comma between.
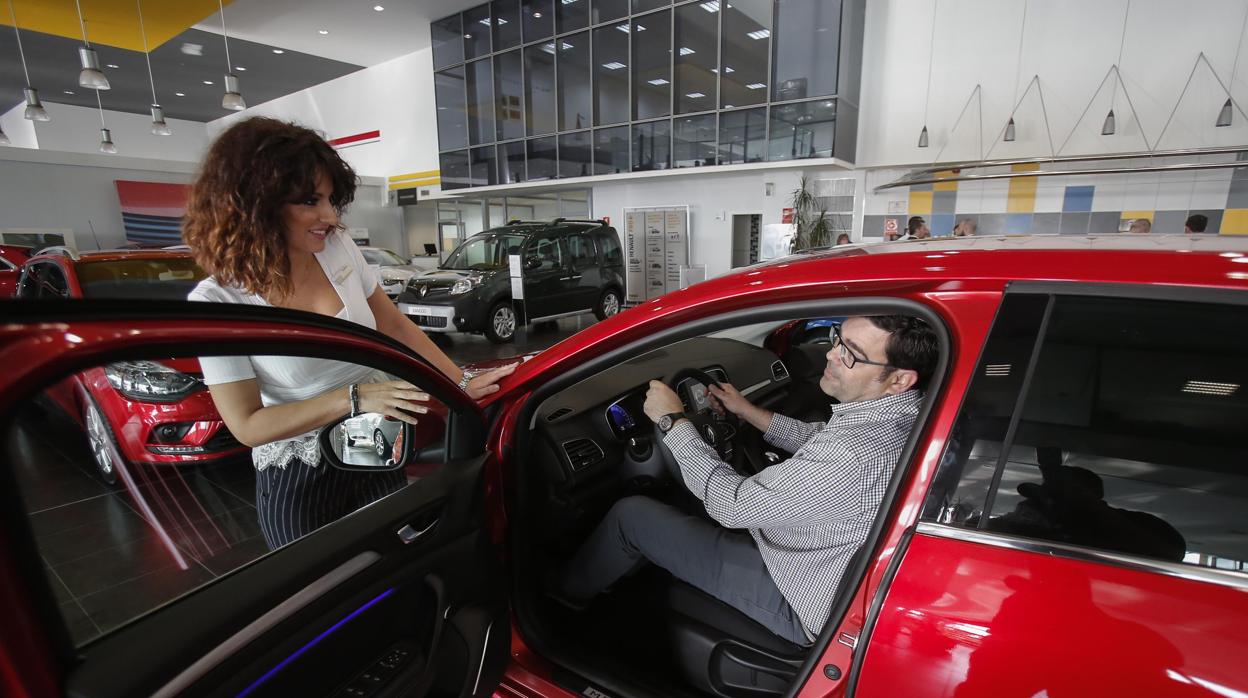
x: 1235, y: 221
x: 920, y: 203
x: 945, y: 186
x: 1139, y: 214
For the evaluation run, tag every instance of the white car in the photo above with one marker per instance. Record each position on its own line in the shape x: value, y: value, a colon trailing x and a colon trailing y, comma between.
x: 392, y: 270
x: 373, y: 431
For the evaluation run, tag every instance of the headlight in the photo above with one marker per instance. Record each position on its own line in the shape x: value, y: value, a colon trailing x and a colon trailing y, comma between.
x: 149, y: 381
x: 465, y: 285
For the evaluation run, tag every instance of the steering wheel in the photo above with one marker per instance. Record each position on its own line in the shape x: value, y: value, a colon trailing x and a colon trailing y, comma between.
x: 717, y: 431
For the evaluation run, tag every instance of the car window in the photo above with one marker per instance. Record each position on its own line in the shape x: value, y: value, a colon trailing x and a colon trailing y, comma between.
x: 484, y: 252
x: 43, y: 280
x: 382, y: 257
x: 609, y: 246
x: 166, y: 278
x: 137, y: 492
x: 1125, y: 435
x: 547, y: 252
x: 581, y: 250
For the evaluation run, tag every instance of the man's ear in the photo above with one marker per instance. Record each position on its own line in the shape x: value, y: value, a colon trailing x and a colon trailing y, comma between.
x: 901, y: 380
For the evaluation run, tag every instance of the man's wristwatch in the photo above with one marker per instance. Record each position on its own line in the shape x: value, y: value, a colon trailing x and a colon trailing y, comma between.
x: 667, y: 421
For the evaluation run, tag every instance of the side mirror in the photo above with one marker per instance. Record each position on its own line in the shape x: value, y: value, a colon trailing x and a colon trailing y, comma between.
x: 532, y: 262
x: 371, y: 442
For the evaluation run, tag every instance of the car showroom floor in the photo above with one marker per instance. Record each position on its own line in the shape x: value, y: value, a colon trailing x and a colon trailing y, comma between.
x: 115, y: 551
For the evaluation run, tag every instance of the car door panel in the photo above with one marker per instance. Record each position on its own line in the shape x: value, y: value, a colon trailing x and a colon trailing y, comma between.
x: 968, y: 619
x: 414, y: 572
x: 546, y: 287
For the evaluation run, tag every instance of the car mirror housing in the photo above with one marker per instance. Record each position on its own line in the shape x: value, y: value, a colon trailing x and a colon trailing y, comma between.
x: 532, y: 263
x: 369, y: 442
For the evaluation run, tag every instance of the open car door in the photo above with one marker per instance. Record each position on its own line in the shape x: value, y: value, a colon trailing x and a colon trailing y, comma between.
x: 404, y: 596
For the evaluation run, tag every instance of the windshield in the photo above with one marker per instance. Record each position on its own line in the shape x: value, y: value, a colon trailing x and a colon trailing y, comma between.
x: 160, y: 279
x: 382, y: 257
x: 484, y: 252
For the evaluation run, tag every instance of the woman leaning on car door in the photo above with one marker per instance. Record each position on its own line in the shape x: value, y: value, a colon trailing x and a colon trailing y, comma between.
x: 263, y: 221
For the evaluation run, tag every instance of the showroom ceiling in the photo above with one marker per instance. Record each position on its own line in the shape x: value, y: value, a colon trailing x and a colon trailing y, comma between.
x: 276, y: 47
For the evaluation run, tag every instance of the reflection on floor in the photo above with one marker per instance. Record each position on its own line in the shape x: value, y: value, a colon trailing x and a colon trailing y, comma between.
x: 114, y: 552
x: 473, y: 348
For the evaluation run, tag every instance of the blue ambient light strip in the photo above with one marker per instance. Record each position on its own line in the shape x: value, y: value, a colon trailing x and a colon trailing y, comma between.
x: 269, y: 674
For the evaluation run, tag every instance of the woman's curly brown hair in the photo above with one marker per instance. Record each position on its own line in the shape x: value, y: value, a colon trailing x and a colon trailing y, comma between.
x: 233, y: 220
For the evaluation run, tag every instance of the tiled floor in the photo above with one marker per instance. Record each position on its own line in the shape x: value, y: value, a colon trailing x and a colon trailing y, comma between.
x: 113, y: 552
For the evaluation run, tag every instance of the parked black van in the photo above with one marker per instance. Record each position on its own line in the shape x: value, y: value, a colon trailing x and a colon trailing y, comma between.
x: 569, y: 267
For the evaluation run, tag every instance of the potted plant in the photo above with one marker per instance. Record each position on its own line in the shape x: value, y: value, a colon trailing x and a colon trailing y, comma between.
x: 811, y: 228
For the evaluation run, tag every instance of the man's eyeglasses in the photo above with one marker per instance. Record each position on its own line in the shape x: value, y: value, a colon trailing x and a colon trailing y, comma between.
x: 848, y: 357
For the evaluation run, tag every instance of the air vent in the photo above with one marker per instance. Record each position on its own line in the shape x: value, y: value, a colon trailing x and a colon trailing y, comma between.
x: 561, y: 412
x: 997, y: 370
x: 582, y: 453
x: 779, y: 372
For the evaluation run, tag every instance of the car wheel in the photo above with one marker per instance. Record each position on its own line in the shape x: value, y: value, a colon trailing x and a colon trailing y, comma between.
x: 608, y: 304
x: 101, y: 442
x: 500, y: 326
x: 380, y: 445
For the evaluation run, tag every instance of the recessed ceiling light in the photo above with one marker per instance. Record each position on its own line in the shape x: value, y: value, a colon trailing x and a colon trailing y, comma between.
x: 657, y: 81
x: 613, y: 65
x: 240, y: 68
x: 711, y: 6
x: 728, y: 69
x: 207, y: 82
x: 760, y: 34
x: 685, y: 51
x: 322, y: 32
x: 378, y: 8
x: 695, y: 95
x: 113, y: 65
x: 537, y: 15
x: 278, y: 51
x: 755, y: 86
x: 179, y: 94
x: 69, y: 92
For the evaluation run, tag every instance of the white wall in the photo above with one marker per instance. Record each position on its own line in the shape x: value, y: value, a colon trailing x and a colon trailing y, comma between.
x: 395, y: 97
x: 21, y: 132
x: 77, y: 130
x: 1070, y: 44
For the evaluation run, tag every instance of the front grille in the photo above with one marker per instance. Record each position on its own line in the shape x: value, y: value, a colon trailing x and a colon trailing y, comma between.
x: 223, y: 440
x: 429, y: 321
x: 431, y: 291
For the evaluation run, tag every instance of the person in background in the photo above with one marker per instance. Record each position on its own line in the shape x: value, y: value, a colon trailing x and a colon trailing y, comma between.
x: 842, y: 239
x: 1196, y: 223
x: 916, y: 229
x: 1141, y: 226
x: 965, y: 228
x: 262, y: 219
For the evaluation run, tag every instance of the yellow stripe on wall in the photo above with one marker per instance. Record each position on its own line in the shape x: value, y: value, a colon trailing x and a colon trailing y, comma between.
x: 945, y: 186
x: 1235, y: 221
x: 1138, y: 214
x: 1022, y: 195
x: 394, y: 186
x: 920, y: 203
x: 415, y: 175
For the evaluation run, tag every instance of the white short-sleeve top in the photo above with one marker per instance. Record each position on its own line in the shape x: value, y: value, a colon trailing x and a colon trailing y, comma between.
x: 285, y: 379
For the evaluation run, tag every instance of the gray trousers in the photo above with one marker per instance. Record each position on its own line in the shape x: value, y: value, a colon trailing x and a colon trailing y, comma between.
x: 723, y: 563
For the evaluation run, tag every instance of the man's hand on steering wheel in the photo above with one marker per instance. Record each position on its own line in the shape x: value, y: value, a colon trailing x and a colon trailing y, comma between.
x: 661, y: 400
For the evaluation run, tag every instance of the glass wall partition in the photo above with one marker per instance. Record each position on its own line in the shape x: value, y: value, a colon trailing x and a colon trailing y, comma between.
x: 529, y: 90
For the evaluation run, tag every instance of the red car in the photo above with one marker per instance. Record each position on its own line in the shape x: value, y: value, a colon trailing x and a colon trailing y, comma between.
x: 12, y: 257
x: 1067, y: 518
x: 141, y: 411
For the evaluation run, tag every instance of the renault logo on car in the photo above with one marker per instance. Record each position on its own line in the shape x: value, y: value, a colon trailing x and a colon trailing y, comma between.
x: 423, y: 291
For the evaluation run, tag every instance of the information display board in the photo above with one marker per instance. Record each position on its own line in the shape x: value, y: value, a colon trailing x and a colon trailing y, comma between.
x: 657, y: 243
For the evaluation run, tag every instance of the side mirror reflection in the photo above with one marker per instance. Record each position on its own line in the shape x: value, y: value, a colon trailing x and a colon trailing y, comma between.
x: 369, y: 441
x: 533, y: 263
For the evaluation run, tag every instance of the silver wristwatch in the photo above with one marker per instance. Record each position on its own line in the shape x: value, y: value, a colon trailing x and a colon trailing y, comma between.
x: 667, y: 421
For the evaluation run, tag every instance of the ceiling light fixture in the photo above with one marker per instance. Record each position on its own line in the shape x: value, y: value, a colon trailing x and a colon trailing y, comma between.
x: 686, y: 51
x: 711, y: 6
x: 34, y: 108
x: 179, y: 94
x: 322, y: 32
x: 69, y: 92
x: 279, y: 52
x: 613, y: 65
x: 760, y: 34
x: 695, y: 95
x: 1110, y: 126
x: 755, y: 86
x: 537, y: 15
x: 1018, y: 69
x: 657, y: 81
x: 240, y: 69
x: 927, y: 98
x: 233, y: 98
x: 113, y: 65
x: 159, y: 126
x: 91, y: 75
x: 378, y: 8
x: 106, y: 136
x: 207, y: 82
x: 1224, y: 114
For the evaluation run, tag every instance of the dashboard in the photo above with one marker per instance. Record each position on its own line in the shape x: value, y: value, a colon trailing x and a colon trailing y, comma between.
x: 595, y: 426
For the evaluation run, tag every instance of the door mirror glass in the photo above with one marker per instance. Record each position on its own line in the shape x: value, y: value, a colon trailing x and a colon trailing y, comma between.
x: 373, y: 442
x: 533, y: 262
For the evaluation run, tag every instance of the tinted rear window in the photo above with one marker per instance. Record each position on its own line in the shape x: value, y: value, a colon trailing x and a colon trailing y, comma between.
x: 155, y: 279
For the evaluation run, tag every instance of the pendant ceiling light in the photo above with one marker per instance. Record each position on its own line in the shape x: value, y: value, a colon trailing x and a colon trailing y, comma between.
x: 1224, y: 114
x: 159, y: 127
x: 91, y: 75
x: 1109, y: 127
x: 34, y: 108
x: 106, y: 136
x: 233, y: 99
x: 931, y: 52
x: 1018, y: 69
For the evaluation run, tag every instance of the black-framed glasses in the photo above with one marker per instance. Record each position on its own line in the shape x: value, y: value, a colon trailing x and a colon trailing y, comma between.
x: 848, y: 357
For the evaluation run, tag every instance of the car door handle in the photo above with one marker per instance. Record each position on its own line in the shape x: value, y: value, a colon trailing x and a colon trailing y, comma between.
x: 410, y: 534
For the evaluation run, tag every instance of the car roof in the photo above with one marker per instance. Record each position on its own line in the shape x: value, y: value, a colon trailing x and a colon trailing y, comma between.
x: 555, y: 226
x: 1199, y: 260
x: 112, y: 255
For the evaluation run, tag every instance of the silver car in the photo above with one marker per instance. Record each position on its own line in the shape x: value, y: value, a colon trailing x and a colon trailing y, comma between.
x: 392, y: 270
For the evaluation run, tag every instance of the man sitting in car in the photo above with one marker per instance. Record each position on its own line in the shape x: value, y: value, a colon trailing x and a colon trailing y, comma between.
x: 784, y: 536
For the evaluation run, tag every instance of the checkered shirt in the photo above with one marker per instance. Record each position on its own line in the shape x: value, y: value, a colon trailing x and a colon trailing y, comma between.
x: 809, y: 513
